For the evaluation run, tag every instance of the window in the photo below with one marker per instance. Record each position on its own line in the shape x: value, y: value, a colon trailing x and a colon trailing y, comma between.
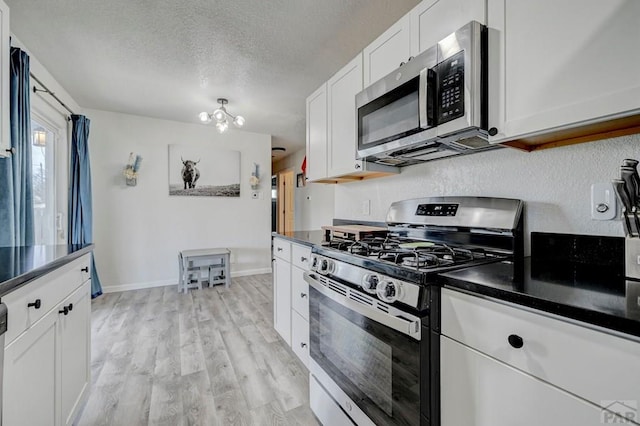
x: 43, y: 144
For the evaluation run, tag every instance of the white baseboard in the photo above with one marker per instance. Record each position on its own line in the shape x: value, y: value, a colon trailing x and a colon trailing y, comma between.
x: 162, y: 283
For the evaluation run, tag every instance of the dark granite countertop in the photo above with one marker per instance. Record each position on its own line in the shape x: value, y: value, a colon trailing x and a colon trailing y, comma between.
x: 593, y: 294
x: 307, y: 238
x: 19, y: 265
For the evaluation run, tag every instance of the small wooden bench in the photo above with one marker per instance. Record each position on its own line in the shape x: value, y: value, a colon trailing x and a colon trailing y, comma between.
x: 192, y: 264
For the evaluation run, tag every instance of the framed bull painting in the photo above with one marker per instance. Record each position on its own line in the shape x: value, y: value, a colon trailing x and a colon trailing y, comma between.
x: 203, y: 171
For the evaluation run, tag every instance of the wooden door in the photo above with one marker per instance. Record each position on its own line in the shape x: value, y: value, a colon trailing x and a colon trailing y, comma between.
x: 285, y: 201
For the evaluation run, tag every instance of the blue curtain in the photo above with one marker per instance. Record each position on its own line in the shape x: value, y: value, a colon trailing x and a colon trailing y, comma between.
x: 80, y: 209
x: 16, y: 188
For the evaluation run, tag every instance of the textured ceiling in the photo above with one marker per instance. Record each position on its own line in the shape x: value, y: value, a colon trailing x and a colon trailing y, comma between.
x: 172, y: 59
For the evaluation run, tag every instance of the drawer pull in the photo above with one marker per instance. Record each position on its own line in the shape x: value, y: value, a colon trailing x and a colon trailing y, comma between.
x: 303, y: 345
x: 64, y: 310
x: 35, y: 304
x: 85, y: 269
x: 303, y: 295
x: 516, y: 341
x: 279, y: 248
x: 303, y: 259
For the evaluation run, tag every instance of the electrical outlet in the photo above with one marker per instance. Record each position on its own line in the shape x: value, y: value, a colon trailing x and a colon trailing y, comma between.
x: 603, y: 202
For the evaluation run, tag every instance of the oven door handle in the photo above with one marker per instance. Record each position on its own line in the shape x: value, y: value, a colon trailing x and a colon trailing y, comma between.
x: 411, y: 328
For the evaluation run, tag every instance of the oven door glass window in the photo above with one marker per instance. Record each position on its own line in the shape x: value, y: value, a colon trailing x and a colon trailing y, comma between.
x: 376, y: 366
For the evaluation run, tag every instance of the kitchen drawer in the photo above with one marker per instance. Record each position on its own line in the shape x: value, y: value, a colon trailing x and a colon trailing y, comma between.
x: 300, y: 256
x: 300, y: 337
x: 282, y: 249
x: 596, y: 366
x: 50, y: 289
x: 299, y: 293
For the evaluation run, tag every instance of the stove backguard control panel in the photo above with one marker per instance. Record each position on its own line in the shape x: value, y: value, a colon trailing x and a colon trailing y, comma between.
x: 437, y: 210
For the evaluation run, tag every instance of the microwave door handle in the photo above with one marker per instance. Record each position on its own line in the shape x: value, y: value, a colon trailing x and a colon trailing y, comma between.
x: 424, y: 98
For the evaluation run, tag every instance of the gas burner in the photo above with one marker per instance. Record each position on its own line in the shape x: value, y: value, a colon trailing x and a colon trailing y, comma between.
x: 425, y: 261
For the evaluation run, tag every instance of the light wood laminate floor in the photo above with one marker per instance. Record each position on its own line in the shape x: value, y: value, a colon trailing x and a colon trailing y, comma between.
x: 208, y: 357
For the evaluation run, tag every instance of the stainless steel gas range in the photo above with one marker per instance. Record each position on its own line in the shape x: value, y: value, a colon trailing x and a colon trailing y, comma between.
x: 374, y: 307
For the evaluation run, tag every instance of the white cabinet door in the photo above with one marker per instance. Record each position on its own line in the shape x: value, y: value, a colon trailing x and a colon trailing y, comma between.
x: 5, y: 52
x: 29, y: 385
x: 317, y: 134
x: 433, y: 20
x: 478, y: 390
x: 282, y: 299
x: 299, y: 293
x: 387, y: 51
x: 300, y: 337
x: 74, y: 334
x: 555, y: 64
x: 342, y: 89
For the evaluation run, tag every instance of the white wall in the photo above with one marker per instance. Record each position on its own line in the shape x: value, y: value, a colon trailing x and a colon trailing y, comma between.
x: 314, y: 202
x: 554, y: 183
x: 139, y: 230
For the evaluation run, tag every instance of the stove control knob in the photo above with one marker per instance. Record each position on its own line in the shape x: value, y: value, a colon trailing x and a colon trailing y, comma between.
x: 388, y: 291
x: 370, y: 283
x: 314, y: 263
x: 326, y: 266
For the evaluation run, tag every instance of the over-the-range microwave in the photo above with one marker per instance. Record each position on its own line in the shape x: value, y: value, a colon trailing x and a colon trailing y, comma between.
x: 434, y: 106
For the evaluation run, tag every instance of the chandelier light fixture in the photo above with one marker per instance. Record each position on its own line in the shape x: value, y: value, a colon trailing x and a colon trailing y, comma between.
x: 221, y: 117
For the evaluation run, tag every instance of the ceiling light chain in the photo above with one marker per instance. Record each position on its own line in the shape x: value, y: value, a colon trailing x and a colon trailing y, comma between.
x: 220, y: 115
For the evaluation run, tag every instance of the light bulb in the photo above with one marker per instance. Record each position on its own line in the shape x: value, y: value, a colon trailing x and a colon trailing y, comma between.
x: 238, y: 121
x: 222, y: 126
x: 219, y: 114
x: 205, y: 117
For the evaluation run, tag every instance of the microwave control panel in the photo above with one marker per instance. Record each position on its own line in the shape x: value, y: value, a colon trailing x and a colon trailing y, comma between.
x: 451, y: 88
x: 437, y: 210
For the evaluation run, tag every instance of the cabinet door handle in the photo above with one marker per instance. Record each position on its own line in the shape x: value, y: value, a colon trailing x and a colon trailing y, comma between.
x: 516, y: 341
x: 64, y: 310
x: 279, y: 249
x: 303, y: 345
x: 85, y: 269
x: 303, y: 259
x: 303, y: 295
x: 35, y: 304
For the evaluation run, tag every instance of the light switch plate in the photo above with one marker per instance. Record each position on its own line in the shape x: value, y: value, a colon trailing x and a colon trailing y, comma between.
x: 366, y: 207
x: 604, y: 202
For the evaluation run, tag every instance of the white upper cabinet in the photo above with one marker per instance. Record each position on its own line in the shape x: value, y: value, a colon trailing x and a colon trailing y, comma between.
x: 433, y: 20
x: 317, y: 134
x: 557, y: 64
x: 387, y: 51
x: 5, y: 52
x: 342, y: 89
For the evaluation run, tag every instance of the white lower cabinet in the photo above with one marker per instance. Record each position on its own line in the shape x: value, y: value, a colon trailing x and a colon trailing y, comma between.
x: 481, y: 391
x: 74, y: 335
x: 291, y: 296
x: 504, y: 365
x: 282, y: 298
x: 29, y: 382
x: 47, y: 366
x: 300, y: 337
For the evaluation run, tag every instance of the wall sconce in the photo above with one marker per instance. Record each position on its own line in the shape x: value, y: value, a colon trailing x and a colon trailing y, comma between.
x: 39, y: 138
x: 221, y: 115
x: 131, y: 169
x: 254, y: 180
